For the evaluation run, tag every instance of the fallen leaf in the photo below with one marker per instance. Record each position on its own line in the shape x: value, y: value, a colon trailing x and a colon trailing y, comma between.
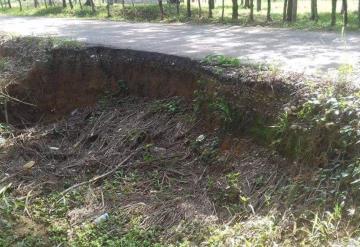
x: 29, y: 165
x: 3, y: 189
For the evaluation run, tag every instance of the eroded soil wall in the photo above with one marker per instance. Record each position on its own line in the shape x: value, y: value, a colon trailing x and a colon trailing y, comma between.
x: 71, y: 78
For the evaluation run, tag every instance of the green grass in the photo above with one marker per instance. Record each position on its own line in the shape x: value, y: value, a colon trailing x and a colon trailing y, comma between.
x: 150, y: 13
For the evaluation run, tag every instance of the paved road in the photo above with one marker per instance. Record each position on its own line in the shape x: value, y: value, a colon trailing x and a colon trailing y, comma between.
x: 301, y: 51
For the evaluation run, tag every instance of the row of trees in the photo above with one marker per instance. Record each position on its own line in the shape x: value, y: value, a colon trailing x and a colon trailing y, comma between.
x: 50, y: 3
x: 289, y: 8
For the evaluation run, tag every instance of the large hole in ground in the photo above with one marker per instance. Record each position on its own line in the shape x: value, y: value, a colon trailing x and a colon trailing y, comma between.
x: 75, y: 78
x: 157, y: 147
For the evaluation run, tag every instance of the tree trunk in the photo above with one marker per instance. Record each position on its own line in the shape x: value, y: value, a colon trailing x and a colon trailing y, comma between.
x: 177, y: 7
x: 9, y: 3
x: 71, y: 4
x: 359, y: 12
x: 235, y: 10
x: 223, y: 10
x: 333, y: 12
x: 188, y: 6
x: 63, y: 3
x: 210, y: 8
x: 20, y: 5
x: 285, y: 10
x: 161, y: 9
x: 345, y: 12
x: 1, y: 3
x: 251, y: 17
x: 314, y: 12
x: 51, y: 3
x: 268, y: 13
x: 36, y: 3
x: 92, y: 6
x: 107, y: 8
x: 199, y: 8
x: 291, y: 10
x: 258, y: 5
x: 242, y: 2
x: 294, y: 11
x: 80, y: 4
x: 247, y: 4
x: 45, y: 2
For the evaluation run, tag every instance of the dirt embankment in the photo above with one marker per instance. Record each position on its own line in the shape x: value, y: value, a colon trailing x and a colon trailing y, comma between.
x: 157, y: 142
x: 67, y: 78
x: 142, y: 137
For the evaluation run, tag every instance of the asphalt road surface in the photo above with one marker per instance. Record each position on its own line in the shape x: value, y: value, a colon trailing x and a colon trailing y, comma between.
x: 320, y: 53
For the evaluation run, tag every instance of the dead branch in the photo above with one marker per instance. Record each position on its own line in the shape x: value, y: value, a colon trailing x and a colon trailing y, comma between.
x: 96, y: 178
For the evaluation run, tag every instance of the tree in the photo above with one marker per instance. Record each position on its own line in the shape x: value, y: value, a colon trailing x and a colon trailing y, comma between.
x: 235, y: 10
x: 247, y: 4
x: 333, y: 12
x: 188, y: 6
x: 20, y: 5
x: 258, y: 5
x: 211, y: 7
x: 345, y: 12
x: 92, y: 6
x: 63, y: 3
x: 223, y: 10
x: 199, y: 10
x: 9, y: 4
x: 161, y: 9
x: 294, y: 10
x: 107, y: 8
x: 268, y: 13
x: 90, y: 3
x: 285, y: 10
x: 291, y: 12
x: 177, y: 7
x: 251, y: 17
x: 71, y: 4
x: 359, y: 11
x: 314, y: 11
x: 36, y: 3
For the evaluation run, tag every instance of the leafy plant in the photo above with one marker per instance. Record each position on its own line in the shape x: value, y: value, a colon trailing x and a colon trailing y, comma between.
x: 222, y: 60
x: 324, y: 129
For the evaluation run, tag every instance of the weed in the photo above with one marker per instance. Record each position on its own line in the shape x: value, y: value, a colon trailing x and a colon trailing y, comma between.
x: 122, y: 86
x: 171, y: 106
x: 3, y: 63
x: 323, y: 129
x: 222, y: 60
x: 99, y: 235
x: 64, y: 43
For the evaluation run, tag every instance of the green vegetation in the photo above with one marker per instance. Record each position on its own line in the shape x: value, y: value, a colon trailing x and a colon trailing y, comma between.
x: 3, y: 63
x: 48, y: 225
x: 171, y: 173
x: 151, y: 13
